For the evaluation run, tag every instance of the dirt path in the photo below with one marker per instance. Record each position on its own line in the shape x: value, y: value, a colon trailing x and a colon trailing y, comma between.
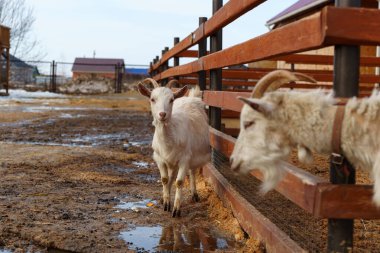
x: 77, y: 176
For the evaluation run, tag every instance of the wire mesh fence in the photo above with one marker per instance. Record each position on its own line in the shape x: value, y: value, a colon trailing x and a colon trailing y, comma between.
x: 86, y: 76
x: 308, y: 232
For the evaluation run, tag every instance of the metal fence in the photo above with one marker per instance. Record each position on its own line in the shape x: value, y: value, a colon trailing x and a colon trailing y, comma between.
x: 73, y: 78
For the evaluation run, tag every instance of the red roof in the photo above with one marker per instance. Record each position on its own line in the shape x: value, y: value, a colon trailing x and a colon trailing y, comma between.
x: 96, y: 65
x: 297, y: 8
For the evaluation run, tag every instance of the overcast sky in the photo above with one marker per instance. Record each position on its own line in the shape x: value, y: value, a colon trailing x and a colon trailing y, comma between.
x: 136, y: 31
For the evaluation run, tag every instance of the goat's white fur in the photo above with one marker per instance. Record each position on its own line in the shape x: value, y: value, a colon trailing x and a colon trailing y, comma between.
x: 284, y: 120
x: 181, y: 139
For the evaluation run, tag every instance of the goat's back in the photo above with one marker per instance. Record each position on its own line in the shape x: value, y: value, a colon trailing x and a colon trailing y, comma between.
x: 192, y: 128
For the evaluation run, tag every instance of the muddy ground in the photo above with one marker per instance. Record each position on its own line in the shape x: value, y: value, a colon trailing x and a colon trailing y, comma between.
x: 77, y: 176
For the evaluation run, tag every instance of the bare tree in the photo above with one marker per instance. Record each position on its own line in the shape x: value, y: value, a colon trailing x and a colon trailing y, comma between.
x: 19, y: 17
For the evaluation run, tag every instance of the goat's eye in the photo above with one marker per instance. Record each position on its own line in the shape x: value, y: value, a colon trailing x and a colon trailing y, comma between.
x: 248, y: 124
x: 171, y: 100
x: 152, y: 100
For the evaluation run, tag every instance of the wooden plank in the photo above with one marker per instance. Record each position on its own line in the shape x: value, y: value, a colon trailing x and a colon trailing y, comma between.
x: 345, y: 202
x: 232, y: 10
x: 306, y: 59
x: 221, y: 142
x: 297, y: 185
x: 228, y: 99
x: 352, y: 26
x: 189, y: 54
x: 225, y: 100
x: 323, y: 59
x: 251, y: 220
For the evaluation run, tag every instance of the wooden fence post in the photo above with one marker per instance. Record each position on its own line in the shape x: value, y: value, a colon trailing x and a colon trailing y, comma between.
x: 346, y: 84
x: 202, y: 51
x: 8, y: 71
x: 176, y: 59
x: 216, y: 74
x: 53, y: 87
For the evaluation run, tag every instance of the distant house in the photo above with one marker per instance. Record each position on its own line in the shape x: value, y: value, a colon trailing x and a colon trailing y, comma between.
x: 135, y: 74
x: 137, y: 71
x: 93, y: 68
x: 20, y: 72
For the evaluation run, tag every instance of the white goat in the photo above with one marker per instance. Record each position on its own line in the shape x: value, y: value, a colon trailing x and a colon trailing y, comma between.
x: 181, y: 138
x: 277, y: 122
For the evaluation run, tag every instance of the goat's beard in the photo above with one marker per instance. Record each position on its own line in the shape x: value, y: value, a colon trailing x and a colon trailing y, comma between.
x: 157, y: 122
x: 272, y: 175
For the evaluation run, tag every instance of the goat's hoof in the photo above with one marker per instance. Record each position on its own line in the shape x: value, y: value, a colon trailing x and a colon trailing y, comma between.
x: 176, y: 213
x: 167, y: 207
x: 195, y: 197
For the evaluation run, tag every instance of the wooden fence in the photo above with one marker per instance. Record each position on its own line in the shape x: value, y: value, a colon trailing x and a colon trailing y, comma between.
x: 345, y: 26
x: 4, y: 54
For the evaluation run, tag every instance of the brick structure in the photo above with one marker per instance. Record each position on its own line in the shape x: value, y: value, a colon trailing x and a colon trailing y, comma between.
x: 96, y: 68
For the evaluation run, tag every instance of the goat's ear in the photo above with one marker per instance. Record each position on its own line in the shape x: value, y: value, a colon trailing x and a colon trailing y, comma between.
x: 258, y: 105
x: 144, y: 90
x: 181, y: 92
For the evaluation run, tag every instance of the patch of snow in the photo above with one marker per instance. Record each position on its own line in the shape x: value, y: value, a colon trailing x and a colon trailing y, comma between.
x: 22, y: 94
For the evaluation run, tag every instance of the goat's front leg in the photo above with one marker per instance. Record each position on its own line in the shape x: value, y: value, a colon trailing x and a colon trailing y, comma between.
x: 171, y: 172
x: 376, y: 177
x: 182, y: 171
x: 193, y: 186
x: 165, y: 185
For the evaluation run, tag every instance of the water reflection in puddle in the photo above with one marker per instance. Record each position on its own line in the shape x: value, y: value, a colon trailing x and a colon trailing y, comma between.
x: 135, y: 205
x: 141, y: 164
x: 100, y: 139
x: 136, y: 143
x: 174, y: 238
x: 5, y: 251
x: 48, y: 144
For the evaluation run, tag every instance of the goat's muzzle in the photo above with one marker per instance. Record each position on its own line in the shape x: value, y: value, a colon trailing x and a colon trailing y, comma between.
x: 162, y: 116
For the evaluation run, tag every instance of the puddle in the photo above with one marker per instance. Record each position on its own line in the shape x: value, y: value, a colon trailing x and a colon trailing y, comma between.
x: 46, y: 108
x: 100, y: 139
x: 48, y: 144
x: 5, y: 251
x: 84, y: 141
x: 174, y: 238
x: 136, y: 143
x: 70, y: 116
x: 135, y: 205
x: 17, y: 123
x: 141, y: 164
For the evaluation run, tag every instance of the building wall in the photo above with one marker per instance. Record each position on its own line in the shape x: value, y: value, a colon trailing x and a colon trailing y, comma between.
x: 20, y: 75
x: 89, y: 76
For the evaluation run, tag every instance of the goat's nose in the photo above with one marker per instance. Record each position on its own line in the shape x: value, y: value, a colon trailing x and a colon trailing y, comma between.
x: 162, y: 114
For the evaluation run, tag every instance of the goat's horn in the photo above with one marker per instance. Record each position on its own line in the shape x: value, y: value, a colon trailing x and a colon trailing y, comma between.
x: 171, y: 83
x: 275, y: 79
x: 152, y: 81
